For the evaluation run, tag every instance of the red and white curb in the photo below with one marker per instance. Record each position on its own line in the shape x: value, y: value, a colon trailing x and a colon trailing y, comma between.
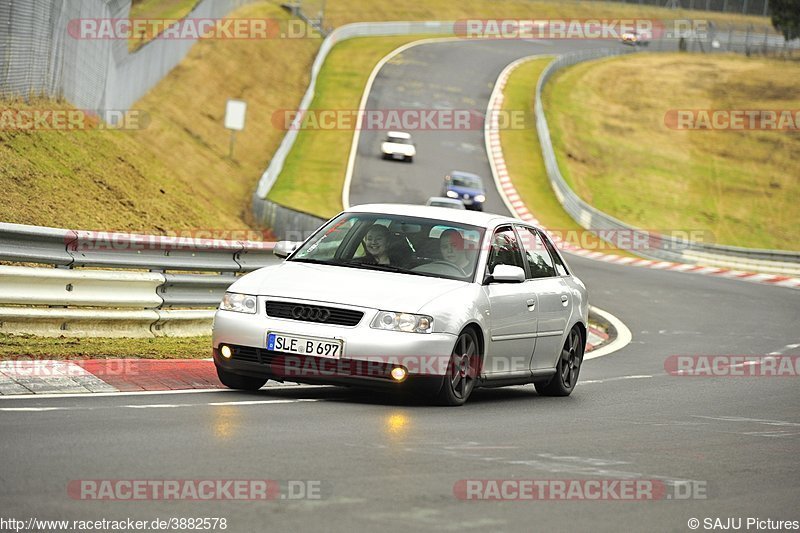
x: 25, y: 377
x: 515, y: 204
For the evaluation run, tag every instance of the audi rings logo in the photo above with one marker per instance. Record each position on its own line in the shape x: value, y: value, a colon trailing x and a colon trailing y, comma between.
x: 312, y: 314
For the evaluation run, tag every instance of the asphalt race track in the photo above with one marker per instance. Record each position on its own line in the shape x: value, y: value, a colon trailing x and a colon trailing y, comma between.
x: 385, y: 464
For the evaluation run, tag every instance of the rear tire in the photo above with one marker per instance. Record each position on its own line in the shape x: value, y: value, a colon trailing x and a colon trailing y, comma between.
x: 235, y: 381
x: 462, y: 370
x: 567, y: 370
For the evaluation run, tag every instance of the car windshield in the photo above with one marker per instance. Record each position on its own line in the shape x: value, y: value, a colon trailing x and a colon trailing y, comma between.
x: 395, y: 243
x: 459, y: 180
x: 398, y: 140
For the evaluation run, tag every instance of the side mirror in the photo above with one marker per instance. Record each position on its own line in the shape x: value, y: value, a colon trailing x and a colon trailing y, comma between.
x: 284, y: 249
x: 507, y: 274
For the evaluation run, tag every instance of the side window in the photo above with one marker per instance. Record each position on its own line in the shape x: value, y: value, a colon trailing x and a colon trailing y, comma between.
x: 561, y: 268
x: 540, y: 264
x: 505, y: 249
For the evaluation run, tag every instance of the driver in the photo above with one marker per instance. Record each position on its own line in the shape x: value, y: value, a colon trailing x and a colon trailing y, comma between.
x: 451, y: 246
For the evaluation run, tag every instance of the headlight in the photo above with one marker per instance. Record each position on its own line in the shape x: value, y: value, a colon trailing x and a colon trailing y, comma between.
x: 403, y: 322
x: 240, y: 303
x: 480, y: 198
x: 452, y: 194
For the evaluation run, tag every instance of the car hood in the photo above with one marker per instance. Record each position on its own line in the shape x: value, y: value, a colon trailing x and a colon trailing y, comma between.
x: 342, y: 285
x: 465, y: 190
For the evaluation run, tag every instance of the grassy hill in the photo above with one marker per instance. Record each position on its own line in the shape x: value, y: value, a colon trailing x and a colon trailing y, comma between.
x: 176, y: 174
x: 741, y: 185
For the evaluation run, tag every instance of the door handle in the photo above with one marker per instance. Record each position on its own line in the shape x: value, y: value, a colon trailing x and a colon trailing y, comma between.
x: 564, y: 300
x: 531, y: 304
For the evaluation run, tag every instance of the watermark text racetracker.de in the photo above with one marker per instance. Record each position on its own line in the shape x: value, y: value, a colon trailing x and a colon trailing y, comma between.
x: 400, y: 119
x: 733, y: 119
x: 188, y: 29
x: 734, y: 366
x: 197, y: 489
x: 72, y: 120
x: 32, y: 367
x: 579, y: 490
x: 572, y: 28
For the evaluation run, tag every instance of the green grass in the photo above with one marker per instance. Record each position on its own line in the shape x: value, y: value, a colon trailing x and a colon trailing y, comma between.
x: 103, y: 180
x: 525, y: 164
x: 99, y: 348
x: 157, y: 9
x: 175, y: 174
x: 614, y: 149
x: 313, y: 175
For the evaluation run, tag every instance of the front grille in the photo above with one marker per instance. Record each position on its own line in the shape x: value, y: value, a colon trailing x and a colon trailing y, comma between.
x: 314, y: 313
x: 246, y: 353
x: 290, y: 365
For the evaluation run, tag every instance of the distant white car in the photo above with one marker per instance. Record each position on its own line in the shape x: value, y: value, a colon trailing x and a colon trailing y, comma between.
x: 441, y: 201
x: 398, y: 145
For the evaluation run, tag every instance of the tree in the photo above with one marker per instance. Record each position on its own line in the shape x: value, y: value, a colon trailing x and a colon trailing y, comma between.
x: 786, y: 17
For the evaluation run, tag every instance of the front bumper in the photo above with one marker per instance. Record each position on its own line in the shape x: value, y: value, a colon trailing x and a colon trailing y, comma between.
x: 368, y: 354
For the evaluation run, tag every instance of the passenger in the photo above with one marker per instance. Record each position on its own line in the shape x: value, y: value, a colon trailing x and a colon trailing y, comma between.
x: 376, y: 245
x: 451, y: 246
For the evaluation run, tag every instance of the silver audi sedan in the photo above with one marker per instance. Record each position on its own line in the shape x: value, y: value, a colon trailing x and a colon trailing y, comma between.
x: 424, y: 300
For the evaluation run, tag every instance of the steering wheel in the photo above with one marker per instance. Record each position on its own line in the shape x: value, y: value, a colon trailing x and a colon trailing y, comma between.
x: 448, y: 264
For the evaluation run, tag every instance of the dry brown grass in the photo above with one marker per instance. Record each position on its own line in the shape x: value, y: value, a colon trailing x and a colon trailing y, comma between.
x: 608, y: 124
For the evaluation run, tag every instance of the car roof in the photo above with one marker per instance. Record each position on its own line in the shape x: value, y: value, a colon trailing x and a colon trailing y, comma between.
x: 399, y: 134
x: 445, y: 199
x: 474, y: 218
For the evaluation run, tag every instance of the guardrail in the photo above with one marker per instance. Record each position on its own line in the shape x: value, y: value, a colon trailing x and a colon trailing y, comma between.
x: 671, y: 249
x: 166, y: 296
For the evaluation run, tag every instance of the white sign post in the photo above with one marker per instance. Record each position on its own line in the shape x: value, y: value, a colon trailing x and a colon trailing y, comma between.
x: 235, y: 112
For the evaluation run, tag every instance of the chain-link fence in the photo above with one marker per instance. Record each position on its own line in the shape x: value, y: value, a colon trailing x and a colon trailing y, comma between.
x: 39, y: 55
x: 742, y: 7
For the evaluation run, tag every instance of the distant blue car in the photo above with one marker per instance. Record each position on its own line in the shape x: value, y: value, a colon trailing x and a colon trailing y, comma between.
x: 466, y: 187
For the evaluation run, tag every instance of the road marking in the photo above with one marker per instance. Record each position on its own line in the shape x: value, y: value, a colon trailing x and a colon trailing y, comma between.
x: 32, y: 409
x: 624, y: 336
x: 261, y: 402
x: 158, y: 405
x: 136, y: 393
x: 592, y: 381
x: 755, y: 420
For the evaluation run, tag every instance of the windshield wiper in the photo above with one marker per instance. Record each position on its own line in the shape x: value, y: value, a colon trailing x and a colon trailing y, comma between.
x: 374, y: 266
x: 312, y: 261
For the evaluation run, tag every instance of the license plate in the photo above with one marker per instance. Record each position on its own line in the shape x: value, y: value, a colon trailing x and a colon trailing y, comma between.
x: 398, y: 156
x: 296, y: 344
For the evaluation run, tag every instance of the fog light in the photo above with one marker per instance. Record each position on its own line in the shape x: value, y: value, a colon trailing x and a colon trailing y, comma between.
x: 226, y: 351
x: 399, y: 373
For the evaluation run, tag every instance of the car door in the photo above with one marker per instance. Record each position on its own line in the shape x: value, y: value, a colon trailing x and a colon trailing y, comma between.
x: 553, y: 295
x: 512, y: 311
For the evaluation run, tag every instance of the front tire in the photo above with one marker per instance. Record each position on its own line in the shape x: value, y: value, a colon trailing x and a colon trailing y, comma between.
x: 567, y: 370
x: 462, y: 370
x: 235, y: 381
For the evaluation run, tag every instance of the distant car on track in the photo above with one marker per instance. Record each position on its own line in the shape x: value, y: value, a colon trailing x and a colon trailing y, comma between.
x: 443, y: 201
x: 415, y: 299
x: 466, y: 187
x: 634, y: 38
x: 398, y: 145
